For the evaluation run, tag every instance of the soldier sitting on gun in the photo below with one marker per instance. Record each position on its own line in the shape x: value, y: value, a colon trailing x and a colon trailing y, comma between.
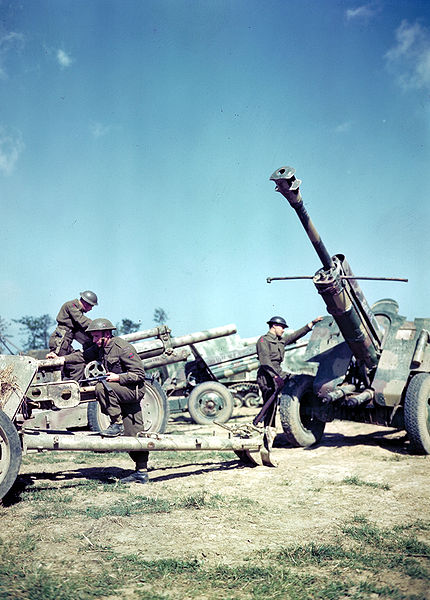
x: 119, y: 397
x: 271, y: 352
x: 72, y: 324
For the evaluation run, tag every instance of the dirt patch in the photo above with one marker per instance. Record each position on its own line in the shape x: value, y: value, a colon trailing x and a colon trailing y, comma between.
x: 357, y: 470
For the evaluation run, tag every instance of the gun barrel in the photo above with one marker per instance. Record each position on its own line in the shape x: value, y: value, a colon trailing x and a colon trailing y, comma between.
x: 288, y: 186
x: 335, y: 282
x: 156, y: 347
x: 146, y: 333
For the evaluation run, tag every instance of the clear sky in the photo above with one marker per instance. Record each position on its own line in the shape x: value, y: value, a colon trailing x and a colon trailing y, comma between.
x: 137, y: 138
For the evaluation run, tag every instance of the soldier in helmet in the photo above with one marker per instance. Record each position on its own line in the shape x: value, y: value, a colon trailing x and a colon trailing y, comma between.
x: 120, y: 399
x: 72, y: 324
x: 271, y: 352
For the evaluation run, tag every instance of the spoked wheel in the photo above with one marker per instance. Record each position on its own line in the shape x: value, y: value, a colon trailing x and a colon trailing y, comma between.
x: 252, y: 399
x: 297, y: 411
x: 10, y: 454
x: 417, y: 413
x: 210, y: 401
x: 155, y: 410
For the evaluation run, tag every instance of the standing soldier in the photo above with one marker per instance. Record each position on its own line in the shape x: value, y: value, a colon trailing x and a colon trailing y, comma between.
x: 120, y: 396
x: 271, y: 352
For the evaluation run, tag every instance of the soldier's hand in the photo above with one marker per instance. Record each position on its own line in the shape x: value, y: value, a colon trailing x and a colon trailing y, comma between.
x: 112, y: 377
x: 51, y: 355
x: 316, y: 320
x: 279, y: 381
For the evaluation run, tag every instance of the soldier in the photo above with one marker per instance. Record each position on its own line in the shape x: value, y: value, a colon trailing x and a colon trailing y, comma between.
x: 271, y: 352
x: 120, y: 397
x: 72, y: 324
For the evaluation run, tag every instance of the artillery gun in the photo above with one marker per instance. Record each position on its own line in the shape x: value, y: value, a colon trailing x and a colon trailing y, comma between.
x: 77, y: 402
x: 371, y: 364
x: 27, y: 383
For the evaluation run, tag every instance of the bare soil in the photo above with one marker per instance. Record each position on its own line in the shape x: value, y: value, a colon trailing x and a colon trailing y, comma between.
x: 305, y: 499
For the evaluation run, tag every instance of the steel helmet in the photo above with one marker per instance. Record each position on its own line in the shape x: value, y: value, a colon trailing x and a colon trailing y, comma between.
x: 89, y: 297
x: 101, y: 325
x: 277, y: 321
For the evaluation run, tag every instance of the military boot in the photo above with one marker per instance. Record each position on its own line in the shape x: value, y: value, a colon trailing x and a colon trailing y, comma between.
x: 136, y: 477
x: 113, y: 430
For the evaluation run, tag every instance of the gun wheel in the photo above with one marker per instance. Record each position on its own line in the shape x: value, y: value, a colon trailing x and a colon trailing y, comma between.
x: 417, y: 413
x: 297, y: 408
x: 10, y: 454
x: 210, y: 401
x: 155, y: 410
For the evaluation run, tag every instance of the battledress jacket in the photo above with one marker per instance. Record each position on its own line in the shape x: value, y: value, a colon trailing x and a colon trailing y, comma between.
x: 71, y: 325
x: 117, y: 357
x: 271, y: 350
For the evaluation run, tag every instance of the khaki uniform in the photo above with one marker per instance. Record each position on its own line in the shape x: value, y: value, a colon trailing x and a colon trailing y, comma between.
x: 71, y: 325
x: 123, y: 400
x: 271, y: 352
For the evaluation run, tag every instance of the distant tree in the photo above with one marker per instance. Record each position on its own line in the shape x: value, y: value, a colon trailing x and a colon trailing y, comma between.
x: 4, y: 335
x: 160, y: 316
x: 127, y: 326
x: 36, y: 329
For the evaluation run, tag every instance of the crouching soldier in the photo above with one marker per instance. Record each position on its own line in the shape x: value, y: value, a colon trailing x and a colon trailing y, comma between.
x: 120, y: 398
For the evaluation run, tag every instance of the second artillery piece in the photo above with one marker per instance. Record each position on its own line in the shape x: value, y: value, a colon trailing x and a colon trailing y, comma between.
x: 74, y: 404
x: 371, y: 364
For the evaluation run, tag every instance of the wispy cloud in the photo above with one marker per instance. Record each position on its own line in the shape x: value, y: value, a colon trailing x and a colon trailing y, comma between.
x: 11, y: 146
x: 9, y: 42
x: 409, y: 58
x: 64, y: 59
x: 343, y: 127
x: 365, y: 11
x: 99, y: 130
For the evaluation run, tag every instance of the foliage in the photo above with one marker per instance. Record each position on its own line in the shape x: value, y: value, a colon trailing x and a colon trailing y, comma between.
x: 127, y: 326
x: 36, y: 329
x: 4, y: 334
x: 160, y: 316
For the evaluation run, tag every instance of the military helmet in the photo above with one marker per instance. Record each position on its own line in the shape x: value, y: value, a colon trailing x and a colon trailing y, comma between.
x: 277, y: 321
x: 89, y: 297
x: 101, y: 325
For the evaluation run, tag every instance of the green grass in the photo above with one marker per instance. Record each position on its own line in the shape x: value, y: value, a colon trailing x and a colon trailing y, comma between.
x: 348, y: 568
x: 354, y: 480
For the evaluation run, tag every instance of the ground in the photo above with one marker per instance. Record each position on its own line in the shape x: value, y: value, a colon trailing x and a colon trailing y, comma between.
x: 357, y: 472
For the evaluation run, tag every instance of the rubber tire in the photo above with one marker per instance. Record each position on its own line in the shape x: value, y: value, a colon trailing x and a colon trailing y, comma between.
x: 10, y: 454
x: 417, y: 413
x: 252, y: 400
x: 154, y: 395
x: 196, y: 400
x: 300, y: 432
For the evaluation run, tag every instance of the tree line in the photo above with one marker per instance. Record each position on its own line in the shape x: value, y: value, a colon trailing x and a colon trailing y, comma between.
x: 35, y: 331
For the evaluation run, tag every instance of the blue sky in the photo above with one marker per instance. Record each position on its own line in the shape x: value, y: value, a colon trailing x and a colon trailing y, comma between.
x: 137, y: 138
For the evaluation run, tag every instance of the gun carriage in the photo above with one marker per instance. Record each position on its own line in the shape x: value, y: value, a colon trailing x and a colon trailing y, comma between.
x: 34, y: 405
x: 371, y: 364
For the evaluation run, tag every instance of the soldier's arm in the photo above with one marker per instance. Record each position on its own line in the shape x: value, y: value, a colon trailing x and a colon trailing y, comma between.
x: 133, y: 371
x: 78, y: 317
x: 289, y: 338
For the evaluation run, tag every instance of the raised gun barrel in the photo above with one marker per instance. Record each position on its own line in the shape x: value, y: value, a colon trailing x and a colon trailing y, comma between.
x: 343, y: 298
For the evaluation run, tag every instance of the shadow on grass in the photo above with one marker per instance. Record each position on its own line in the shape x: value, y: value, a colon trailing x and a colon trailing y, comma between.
x: 105, y: 476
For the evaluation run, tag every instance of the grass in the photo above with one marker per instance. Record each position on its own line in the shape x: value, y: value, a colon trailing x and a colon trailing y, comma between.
x: 354, y: 480
x: 350, y: 569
